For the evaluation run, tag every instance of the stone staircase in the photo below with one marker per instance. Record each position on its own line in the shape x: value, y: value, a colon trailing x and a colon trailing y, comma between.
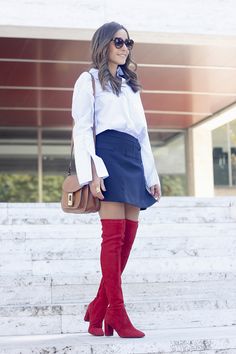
x: 179, y: 284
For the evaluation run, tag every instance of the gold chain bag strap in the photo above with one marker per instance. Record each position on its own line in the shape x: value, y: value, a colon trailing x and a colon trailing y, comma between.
x: 75, y: 198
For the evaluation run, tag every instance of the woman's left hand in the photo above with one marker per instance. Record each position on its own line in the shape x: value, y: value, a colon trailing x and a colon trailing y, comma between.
x: 156, y: 191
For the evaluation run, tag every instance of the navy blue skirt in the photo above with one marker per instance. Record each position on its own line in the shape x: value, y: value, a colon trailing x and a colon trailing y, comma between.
x: 121, y: 153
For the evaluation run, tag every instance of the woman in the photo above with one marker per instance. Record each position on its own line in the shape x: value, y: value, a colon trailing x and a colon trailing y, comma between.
x: 120, y: 169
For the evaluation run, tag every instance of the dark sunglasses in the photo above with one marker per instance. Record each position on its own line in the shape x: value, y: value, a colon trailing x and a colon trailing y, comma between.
x: 119, y: 42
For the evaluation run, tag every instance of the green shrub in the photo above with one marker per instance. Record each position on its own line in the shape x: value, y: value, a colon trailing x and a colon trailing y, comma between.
x: 173, y: 185
x: 23, y: 188
x: 18, y: 188
x: 52, y: 188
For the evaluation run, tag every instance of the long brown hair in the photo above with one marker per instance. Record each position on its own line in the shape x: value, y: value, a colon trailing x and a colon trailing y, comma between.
x: 100, y: 49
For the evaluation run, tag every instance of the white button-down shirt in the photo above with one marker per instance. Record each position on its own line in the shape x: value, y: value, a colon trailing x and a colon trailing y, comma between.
x: 123, y: 113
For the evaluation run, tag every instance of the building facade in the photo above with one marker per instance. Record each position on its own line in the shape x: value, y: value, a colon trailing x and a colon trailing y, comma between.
x: 186, y: 58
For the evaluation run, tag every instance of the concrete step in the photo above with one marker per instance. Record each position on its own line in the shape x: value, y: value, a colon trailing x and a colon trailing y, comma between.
x: 181, y: 274
x: 158, y: 291
x: 48, y: 291
x: 23, y: 264
x: 150, y: 305
x: 68, y: 318
x: 179, y: 210
x: 156, y: 247
x: 213, y: 340
x: 89, y: 249
x: 93, y: 231
x: 34, y: 290
x: 145, y: 245
x: 147, y: 304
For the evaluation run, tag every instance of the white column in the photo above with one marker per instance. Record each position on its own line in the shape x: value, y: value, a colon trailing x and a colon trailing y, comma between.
x: 201, y: 182
x: 199, y: 153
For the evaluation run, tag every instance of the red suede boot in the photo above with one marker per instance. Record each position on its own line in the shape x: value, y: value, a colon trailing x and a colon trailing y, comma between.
x: 97, y: 308
x: 130, y: 233
x: 116, y: 317
x: 95, y: 314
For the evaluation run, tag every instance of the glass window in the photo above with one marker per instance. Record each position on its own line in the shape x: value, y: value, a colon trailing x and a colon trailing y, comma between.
x: 224, y: 154
x: 232, y: 129
x: 19, y: 163
x: 220, y: 156
x: 169, y: 152
x: 56, y: 156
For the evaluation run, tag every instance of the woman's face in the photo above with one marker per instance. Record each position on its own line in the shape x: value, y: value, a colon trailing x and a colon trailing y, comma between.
x: 117, y: 56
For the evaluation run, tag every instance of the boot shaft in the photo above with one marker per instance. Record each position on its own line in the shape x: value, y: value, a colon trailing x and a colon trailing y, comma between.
x: 112, y: 241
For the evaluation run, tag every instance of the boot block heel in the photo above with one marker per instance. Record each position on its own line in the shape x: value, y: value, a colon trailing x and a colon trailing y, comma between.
x: 108, y: 330
x: 118, y: 320
x: 86, y: 317
x: 95, y: 331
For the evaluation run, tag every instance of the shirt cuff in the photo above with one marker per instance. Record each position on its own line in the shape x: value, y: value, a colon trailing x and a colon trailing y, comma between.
x: 153, y: 179
x: 83, y: 163
x: 100, y: 167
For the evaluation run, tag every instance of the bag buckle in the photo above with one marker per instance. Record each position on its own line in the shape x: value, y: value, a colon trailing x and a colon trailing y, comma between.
x: 70, y: 199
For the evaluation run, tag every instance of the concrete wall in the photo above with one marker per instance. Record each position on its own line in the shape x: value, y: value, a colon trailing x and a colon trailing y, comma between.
x: 222, y: 192
x: 168, y: 16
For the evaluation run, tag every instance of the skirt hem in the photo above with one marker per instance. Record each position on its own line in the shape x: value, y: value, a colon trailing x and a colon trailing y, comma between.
x: 130, y: 202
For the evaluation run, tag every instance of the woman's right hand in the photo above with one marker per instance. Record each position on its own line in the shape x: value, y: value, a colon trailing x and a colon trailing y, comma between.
x: 96, y: 187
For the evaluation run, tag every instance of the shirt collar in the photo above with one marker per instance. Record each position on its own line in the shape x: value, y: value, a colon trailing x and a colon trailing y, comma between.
x: 119, y: 73
x: 94, y: 72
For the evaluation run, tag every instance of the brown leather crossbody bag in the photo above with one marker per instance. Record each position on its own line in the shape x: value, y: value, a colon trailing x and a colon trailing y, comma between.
x: 76, y: 198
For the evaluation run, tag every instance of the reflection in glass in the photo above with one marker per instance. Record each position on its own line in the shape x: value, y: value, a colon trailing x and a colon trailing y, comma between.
x: 18, y: 161
x: 224, y: 154
x: 220, y: 156
x: 232, y: 129
x: 169, y: 152
x: 19, y: 156
x: 56, y: 155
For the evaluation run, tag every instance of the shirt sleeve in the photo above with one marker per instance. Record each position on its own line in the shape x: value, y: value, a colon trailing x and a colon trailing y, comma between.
x: 150, y: 172
x: 83, y: 115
